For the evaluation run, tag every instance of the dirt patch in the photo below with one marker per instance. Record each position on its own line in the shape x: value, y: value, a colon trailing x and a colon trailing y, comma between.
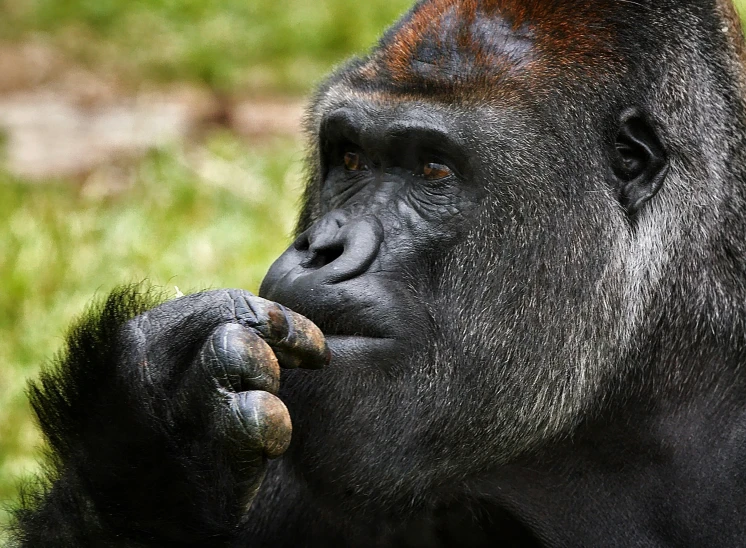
x: 253, y: 118
x: 61, y: 120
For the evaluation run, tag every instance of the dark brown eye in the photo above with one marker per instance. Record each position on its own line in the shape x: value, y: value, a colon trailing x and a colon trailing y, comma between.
x: 434, y: 171
x: 354, y: 162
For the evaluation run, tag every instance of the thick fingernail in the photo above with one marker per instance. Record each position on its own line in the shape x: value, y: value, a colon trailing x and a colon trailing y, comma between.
x: 302, y: 344
x: 285, y: 331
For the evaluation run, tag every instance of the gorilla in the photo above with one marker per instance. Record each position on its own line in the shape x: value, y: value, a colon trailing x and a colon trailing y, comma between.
x: 514, y: 313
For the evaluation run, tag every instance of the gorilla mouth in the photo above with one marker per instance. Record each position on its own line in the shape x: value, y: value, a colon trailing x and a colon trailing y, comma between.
x: 340, y: 338
x: 352, y: 327
x: 342, y: 328
x: 361, y: 351
x: 374, y: 336
x: 359, y: 339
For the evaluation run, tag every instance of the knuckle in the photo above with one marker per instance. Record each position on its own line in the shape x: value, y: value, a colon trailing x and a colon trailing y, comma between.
x: 246, y: 307
x: 200, y: 312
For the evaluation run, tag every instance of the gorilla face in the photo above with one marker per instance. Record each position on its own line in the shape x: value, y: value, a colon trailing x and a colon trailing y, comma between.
x: 461, y: 254
x: 398, y: 193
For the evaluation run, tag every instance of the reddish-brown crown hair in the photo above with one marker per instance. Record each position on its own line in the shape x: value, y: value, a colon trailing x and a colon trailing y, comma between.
x: 476, y: 44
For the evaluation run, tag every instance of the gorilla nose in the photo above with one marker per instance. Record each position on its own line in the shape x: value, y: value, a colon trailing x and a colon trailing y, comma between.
x: 334, y: 249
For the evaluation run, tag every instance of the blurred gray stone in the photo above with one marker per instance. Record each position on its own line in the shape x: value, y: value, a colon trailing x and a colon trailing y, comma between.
x: 50, y: 136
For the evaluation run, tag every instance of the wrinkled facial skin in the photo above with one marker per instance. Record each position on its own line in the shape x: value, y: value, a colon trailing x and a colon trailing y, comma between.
x: 459, y: 247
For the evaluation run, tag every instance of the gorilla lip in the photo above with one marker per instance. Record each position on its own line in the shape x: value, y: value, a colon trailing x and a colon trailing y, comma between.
x: 349, y: 349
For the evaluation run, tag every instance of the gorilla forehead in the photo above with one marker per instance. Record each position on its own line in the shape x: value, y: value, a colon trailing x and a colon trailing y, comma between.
x: 475, y: 47
x: 459, y: 44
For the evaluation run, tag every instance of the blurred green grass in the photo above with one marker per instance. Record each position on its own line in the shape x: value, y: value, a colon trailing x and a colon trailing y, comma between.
x: 242, y: 46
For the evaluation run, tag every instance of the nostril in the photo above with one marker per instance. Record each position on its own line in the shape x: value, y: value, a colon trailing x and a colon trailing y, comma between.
x: 302, y: 242
x: 321, y: 257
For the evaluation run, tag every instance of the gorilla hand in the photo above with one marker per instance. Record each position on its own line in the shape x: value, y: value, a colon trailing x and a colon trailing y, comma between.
x: 169, y: 434
x: 228, y: 392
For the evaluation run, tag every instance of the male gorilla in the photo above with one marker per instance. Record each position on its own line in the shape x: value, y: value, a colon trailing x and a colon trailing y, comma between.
x: 524, y: 241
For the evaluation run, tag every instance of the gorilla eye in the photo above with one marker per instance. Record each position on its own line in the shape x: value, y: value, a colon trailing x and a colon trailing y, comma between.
x: 434, y: 171
x: 354, y: 162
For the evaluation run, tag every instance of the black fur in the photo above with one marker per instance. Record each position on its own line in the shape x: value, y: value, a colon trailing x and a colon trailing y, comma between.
x: 70, y: 402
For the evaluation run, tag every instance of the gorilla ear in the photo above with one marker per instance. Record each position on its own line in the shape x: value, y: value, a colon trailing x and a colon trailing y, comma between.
x: 639, y: 162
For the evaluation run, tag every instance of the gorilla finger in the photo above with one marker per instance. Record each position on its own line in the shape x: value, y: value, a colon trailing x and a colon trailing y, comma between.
x: 187, y: 318
x: 168, y: 328
x: 258, y: 422
x: 239, y: 360
x: 297, y: 341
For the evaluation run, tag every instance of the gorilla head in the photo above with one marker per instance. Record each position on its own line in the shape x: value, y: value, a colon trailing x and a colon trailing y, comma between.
x: 524, y: 220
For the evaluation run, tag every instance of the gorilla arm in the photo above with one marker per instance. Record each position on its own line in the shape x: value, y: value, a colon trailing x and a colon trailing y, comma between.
x: 160, y: 422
